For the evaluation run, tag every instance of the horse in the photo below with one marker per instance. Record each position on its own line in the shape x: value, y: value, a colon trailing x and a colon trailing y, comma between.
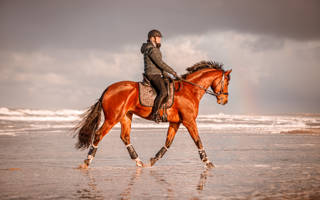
x: 120, y: 101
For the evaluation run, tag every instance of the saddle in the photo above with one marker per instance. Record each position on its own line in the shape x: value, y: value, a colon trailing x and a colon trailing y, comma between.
x: 147, y: 95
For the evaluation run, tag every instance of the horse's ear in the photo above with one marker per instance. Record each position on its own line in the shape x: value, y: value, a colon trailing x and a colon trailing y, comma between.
x: 228, y: 72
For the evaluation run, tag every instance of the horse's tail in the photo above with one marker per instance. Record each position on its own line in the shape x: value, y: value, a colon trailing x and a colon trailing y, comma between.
x: 88, y: 125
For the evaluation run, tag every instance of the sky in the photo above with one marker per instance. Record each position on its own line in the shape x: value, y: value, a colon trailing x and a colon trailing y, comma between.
x: 62, y: 54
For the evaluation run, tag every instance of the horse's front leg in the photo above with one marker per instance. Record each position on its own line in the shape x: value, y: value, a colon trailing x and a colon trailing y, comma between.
x: 193, y: 131
x: 173, y: 128
x: 125, y: 137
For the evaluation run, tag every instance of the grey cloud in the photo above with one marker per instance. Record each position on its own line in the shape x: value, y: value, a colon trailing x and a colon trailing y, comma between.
x: 65, y: 78
x: 263, y: 43
x: 110, y: 24
x: 63, y: 54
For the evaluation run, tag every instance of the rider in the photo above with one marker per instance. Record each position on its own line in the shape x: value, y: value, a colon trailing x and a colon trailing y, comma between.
x: 156, y: 70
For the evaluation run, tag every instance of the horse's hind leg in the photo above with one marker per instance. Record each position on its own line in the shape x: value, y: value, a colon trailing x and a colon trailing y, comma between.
x: 105, y: 128
x: 125, y: 137
x: 193, y: 131
x: 173, y: 128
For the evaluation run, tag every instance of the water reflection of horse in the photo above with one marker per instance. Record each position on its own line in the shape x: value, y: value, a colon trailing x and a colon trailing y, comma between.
x: 155, y: 178
x: 166, y: 187
x: 121, y: 100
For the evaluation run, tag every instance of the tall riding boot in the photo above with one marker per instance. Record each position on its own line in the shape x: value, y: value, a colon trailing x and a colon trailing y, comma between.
x: 155, y: 115
x: 160, y: 87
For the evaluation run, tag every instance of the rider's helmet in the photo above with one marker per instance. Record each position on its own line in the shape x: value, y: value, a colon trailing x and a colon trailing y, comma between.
x: 154, y: 33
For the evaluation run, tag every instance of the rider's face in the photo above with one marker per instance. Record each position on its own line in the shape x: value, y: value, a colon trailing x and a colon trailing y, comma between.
x: 158, y: 40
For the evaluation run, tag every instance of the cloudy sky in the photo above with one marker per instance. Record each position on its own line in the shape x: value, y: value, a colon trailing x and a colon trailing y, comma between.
x: 63, y: 54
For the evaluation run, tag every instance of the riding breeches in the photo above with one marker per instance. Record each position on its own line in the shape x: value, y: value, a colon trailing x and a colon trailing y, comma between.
x: 158, y: 83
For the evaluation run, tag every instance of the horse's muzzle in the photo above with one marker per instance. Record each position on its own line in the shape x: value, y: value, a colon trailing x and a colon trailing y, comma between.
x: 223, y: 101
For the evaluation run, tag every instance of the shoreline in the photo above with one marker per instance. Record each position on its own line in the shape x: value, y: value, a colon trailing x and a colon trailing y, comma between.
x: 309, y: 131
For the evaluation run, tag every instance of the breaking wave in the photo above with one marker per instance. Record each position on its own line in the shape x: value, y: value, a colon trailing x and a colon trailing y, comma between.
x: 16, y: 121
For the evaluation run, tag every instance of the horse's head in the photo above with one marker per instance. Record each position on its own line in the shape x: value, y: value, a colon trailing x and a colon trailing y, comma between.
x: 220, y: 87
x: 211, y: 70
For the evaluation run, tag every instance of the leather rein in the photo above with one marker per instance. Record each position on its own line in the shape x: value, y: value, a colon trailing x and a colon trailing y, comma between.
x: 209, y: 91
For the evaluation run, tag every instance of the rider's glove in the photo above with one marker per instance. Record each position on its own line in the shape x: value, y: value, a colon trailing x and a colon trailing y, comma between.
x: 177, y: 76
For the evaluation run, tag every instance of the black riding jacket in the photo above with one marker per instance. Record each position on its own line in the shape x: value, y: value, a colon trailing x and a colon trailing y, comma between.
x: 153, y: 63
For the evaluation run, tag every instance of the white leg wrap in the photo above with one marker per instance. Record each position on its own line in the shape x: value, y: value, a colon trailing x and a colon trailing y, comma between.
x: 128, y: 145
x: 138, y: 162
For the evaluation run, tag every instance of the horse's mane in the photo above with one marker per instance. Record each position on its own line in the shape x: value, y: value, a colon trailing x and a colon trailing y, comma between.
x: 203, y: 65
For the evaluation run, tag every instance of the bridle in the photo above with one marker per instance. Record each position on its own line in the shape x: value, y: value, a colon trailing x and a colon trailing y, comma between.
x: 209, y: 91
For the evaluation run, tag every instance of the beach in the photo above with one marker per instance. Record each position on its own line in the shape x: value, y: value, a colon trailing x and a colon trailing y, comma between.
x: 39, y: 161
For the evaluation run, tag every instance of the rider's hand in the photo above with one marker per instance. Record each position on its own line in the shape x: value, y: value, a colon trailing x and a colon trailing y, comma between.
x: 165, y: 75
x: 178, y: 77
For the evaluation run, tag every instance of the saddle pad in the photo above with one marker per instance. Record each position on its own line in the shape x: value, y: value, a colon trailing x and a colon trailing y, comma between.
x: 147, y: 95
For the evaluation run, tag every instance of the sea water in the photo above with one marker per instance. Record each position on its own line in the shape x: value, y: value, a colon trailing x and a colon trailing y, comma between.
x: 20, y: 121
x: 254, y: 158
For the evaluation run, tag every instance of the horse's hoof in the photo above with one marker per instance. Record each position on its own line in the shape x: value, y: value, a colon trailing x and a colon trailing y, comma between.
x: 139, y: 164
x: 209, y: 165
x: 152, y: 161
x: 83, y: 166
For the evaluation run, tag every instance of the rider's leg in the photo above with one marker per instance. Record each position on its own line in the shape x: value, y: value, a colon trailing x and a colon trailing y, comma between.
x: 159, y: 84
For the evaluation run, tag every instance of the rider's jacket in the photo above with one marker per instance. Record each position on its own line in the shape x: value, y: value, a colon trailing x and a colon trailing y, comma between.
x: 153, y: 63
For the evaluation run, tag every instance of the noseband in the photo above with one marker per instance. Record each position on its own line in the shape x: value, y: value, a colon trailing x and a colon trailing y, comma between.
x: 211, y: 92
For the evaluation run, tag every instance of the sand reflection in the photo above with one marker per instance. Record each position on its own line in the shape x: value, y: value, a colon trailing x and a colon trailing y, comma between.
x: 91, y: 191
x: 160, y: 180
x: 126, y: 194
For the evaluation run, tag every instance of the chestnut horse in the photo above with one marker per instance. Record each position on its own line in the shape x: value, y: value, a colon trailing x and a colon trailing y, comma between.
x: 121, y: 100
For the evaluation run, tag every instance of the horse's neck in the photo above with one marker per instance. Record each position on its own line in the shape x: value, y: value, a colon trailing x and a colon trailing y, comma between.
x: 204, y: 78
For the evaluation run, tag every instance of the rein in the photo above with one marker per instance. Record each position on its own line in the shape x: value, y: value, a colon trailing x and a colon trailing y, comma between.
x: 207, y: 90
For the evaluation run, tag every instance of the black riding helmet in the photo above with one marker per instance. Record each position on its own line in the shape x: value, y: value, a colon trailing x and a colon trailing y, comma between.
x: 154, y: 33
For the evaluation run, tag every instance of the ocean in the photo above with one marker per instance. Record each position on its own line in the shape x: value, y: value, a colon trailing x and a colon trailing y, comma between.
x: 255, y: 157
x: 15, y: 122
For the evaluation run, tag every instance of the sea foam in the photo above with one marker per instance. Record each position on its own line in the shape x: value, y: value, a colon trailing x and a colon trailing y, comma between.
x: 31, y: 119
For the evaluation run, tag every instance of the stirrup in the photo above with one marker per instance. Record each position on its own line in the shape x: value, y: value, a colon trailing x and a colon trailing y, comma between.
x: 156, y: 117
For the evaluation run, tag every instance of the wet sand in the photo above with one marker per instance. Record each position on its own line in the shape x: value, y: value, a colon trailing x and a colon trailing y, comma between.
x: 42, y: 165
x: 315, y: 131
